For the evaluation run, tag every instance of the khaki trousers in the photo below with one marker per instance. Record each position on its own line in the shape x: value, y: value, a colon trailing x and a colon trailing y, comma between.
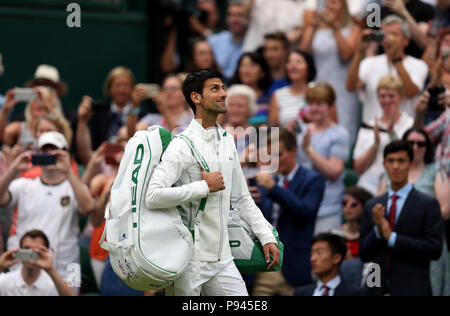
x: 271, y: 284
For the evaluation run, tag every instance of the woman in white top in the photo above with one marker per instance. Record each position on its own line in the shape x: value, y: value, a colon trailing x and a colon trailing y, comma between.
x: 287, y: 102
x: 371, y: 140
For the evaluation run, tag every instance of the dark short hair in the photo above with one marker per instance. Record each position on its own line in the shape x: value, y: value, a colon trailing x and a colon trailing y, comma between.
x: 278, y: 36
x: 359, y: 194
x: 312, y: 70
x: 336, y: 243
x: 195, y: 82
x: 397, y: 146
x: 288, y: 138
x: 33, y: 234
x: 266, y: 81
x: 429, y: 153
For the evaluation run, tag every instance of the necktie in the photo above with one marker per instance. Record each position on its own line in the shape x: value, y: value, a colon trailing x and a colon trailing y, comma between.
x: 392, y: 216
x: 286, y: 183
x: 393, y: 211
x: 327, y: 291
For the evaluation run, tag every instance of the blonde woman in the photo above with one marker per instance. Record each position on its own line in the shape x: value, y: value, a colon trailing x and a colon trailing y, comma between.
x: 332, y: 37
x: 45, y: 102
x: 371, y: 140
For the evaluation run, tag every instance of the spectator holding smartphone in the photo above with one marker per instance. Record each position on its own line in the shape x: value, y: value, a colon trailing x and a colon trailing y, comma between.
x: 30, y: 280
x: 332, y: 37
x: 100, y: 121
x: 365, y: 73
x: 50, y: 202
x: 439, y: 129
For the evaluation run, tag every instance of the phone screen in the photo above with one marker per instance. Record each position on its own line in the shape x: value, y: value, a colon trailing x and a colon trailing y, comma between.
x: 43, y: 160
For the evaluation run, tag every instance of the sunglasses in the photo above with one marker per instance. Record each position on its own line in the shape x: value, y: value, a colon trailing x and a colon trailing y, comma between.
x: 317, y: 84
x: 353, y: 204
x: 419, y: 144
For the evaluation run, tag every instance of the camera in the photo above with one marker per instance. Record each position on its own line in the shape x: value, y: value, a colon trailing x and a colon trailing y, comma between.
x: 377, y: 36
x: 99, y: 106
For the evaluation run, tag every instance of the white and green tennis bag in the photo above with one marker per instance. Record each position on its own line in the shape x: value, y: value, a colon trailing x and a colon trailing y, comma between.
x: 148, y: 249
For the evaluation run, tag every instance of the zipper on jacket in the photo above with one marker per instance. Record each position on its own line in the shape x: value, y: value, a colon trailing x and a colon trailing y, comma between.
x: 220, y: 201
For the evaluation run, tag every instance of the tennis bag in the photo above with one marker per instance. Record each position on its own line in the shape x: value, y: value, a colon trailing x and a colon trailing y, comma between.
x: 148, y: 249
x: 245, y: 247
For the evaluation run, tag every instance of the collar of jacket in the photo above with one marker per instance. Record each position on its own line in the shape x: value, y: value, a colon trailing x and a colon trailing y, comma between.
x: 207, y: 134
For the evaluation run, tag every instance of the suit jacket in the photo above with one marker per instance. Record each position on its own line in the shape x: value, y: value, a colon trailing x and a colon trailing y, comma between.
x: 299, y: 205
x: 419, y: 240
x: 343, y: 289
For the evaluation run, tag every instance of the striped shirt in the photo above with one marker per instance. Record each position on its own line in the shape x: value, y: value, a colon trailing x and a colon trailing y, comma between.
x: 439, y: 130
x: 289, y: 105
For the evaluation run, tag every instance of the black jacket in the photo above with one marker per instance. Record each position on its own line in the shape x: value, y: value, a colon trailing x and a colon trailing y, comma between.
x: 419, y: 232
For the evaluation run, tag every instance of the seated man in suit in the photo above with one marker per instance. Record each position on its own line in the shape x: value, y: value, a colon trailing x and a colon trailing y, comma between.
x: 405, y: 239
x: 290, y: 202
x: 328, y: 252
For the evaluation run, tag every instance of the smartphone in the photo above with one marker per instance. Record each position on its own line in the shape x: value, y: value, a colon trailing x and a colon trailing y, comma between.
x: 433, y: 104
x: 25, y: 94
x: 25, y: 255
x: 111, y: 150
x: 99, y: 106
x: 377, y: 36
x: 43, y: 160
x: 252, y: 182
x: 321, y: 5
x: 152, y: 89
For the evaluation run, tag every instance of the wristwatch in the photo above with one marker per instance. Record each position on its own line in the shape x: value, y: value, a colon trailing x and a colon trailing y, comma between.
x: 135, y: 111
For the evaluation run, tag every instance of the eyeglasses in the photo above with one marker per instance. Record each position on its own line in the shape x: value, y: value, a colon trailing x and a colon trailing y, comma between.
x: 345, y: 202
x: 419, y: 144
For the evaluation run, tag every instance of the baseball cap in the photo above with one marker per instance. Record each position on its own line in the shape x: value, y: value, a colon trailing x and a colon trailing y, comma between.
x: 52, y: 138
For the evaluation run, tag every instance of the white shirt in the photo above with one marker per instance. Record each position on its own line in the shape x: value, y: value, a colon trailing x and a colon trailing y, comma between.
x: 332, y: 285
x: 276, y: 206
x: 12, y: 284
x: 372, y: 69
x: 51, y: 209
x: 370, y: 179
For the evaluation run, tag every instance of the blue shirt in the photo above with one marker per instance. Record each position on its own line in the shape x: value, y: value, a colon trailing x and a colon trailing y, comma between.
x: 332, y: 285
x: 402, y: 195
x: 226, y: 52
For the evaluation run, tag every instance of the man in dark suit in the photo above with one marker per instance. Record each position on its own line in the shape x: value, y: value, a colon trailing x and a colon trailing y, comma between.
x: 328, y: 252
x: 404, y: 239
x: 290, y: 202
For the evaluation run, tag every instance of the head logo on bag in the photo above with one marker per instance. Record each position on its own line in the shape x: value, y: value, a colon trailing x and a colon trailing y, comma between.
x: 138, y: 238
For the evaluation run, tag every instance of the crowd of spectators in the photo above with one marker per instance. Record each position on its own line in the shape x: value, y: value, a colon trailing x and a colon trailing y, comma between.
x: 341, y: 92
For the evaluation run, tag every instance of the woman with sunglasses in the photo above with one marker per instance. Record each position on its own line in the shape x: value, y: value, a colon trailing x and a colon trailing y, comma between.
x: 428, y: 178
x: 352, y: 205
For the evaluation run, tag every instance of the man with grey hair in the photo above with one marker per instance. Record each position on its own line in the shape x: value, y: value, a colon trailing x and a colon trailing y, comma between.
x: 365, y: 72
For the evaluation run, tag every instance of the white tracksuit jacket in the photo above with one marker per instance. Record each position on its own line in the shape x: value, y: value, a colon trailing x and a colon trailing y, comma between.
x: 180, y: 169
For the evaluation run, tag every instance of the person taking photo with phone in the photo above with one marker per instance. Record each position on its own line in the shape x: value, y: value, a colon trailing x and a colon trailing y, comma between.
x: 365, y: 72
x: 30, y: 280
x: 51, y: 202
